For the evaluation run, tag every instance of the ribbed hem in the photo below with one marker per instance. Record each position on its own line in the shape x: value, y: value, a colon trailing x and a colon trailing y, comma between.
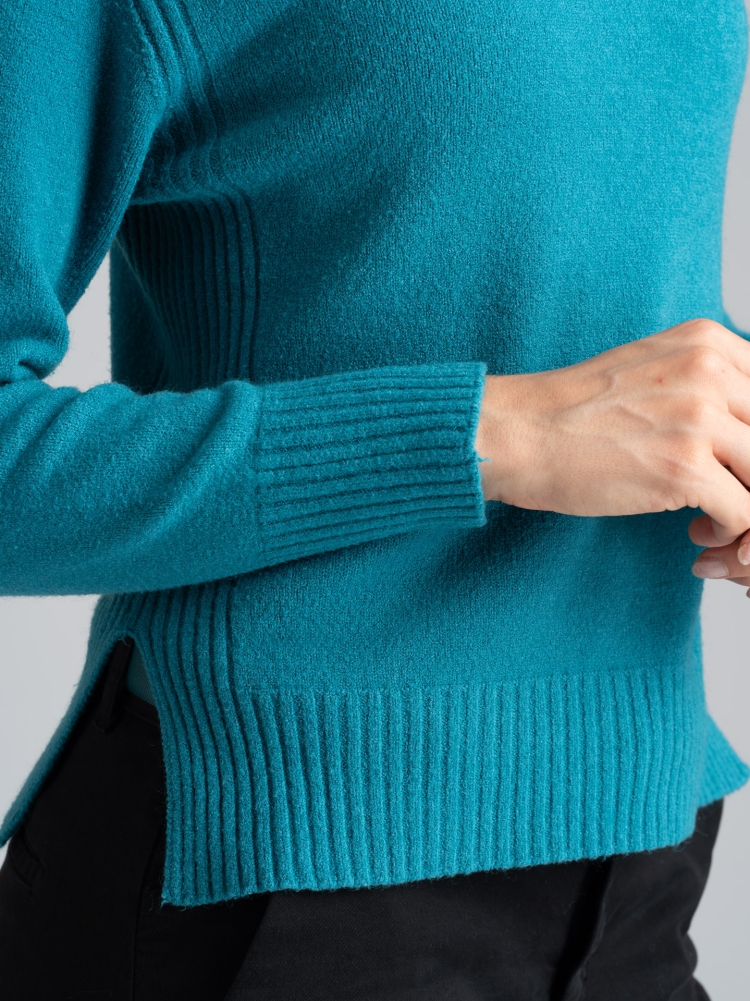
x: 319, y: 790
x: 303, y: 789
x: 356, y: 456
x: 723, y: 771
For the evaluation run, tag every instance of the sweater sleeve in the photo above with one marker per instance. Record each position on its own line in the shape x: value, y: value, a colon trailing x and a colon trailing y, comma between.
x: 112, y: 491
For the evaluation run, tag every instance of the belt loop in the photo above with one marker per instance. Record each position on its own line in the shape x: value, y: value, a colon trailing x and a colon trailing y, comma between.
x: 116, y: 670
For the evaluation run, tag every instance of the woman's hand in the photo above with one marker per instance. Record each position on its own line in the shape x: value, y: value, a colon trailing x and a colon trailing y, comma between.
x: 722, y: 562
x: 653, y: 425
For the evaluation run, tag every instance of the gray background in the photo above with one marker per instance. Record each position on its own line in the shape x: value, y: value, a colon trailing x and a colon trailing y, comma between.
x: 43, y: 640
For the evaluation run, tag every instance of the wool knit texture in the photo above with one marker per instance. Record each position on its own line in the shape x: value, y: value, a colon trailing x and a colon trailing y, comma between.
x: 328, y: 220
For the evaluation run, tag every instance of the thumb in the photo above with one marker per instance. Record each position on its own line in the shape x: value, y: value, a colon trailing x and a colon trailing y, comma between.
x: 704, y: 531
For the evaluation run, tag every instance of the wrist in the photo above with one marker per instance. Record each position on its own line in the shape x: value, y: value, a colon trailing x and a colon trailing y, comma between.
x: 504, y: 436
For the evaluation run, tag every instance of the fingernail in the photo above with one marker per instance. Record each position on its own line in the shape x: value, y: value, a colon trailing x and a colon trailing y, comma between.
x: 743, y: 554
x: 710, y: 568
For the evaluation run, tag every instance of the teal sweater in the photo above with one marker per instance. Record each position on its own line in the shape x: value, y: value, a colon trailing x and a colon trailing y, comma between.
x: 328, y: 220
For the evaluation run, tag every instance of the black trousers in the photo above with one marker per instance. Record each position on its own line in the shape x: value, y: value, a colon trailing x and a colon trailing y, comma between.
x: 80, y: 913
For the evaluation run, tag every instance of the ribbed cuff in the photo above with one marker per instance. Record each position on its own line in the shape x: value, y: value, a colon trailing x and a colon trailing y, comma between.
x: 363, y: 455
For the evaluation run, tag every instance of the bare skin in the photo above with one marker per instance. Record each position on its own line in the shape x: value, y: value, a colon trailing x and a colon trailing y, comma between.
x: 654, y: 425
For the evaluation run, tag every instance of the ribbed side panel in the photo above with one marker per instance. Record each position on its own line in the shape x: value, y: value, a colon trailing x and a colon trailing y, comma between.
x: 195, y: 256
x: 192, y: 262
x: 270, y: 789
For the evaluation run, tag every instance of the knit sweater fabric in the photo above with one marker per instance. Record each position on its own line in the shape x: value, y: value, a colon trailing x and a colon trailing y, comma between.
x: 328, y: 219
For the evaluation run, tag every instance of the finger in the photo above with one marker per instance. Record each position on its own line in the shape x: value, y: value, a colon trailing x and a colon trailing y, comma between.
x: 726, y: 502
x: 701, y: 532
x: 731, y: 444
x: 721, y: 563
x: 743, y: 550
